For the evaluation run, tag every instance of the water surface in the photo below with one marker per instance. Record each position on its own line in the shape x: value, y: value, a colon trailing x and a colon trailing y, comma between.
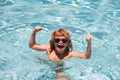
x: 100, y: 18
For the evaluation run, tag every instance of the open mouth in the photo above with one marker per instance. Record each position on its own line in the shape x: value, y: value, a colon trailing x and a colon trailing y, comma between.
x: 60, y: 46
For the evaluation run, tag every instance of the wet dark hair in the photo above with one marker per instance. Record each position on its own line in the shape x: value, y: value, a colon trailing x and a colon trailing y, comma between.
x: 61, y: 32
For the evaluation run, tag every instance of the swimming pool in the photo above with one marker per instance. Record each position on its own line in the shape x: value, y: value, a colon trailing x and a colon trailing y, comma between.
x: 100, y: 18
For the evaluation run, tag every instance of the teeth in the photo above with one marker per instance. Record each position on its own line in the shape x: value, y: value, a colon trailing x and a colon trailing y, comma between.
x: 60, y: 45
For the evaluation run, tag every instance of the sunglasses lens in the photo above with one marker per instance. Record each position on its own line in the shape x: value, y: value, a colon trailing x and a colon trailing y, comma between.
x: 58, y: 40
x: 64, y: 40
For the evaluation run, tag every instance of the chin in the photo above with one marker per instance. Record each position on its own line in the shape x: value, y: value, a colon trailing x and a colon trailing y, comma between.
x: 60, y: 50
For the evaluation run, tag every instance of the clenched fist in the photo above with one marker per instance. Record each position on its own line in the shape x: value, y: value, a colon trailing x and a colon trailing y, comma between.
x: 38, y: 28
x: 88, y: 38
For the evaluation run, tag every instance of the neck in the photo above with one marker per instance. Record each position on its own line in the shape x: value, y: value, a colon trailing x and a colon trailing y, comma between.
x: 60, y: 55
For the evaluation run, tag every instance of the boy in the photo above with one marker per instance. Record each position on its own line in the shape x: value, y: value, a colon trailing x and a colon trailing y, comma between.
x: 59, y: 49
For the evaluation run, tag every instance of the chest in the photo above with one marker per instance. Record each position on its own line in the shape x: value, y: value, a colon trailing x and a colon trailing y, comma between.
x: 58, y: 58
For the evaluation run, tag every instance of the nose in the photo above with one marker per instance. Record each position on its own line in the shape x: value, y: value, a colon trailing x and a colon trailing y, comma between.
x: 60, y: 41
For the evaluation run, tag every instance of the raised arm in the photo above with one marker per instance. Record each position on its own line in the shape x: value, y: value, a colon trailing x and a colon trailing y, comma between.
x: 87, y: 54
x: 32, y: 41
x: 88, y: 51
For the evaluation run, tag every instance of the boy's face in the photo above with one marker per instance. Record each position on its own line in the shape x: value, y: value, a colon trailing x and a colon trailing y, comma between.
x: 60, y: 43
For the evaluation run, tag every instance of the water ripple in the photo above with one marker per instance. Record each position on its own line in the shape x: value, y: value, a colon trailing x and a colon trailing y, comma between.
x: 100, y: 18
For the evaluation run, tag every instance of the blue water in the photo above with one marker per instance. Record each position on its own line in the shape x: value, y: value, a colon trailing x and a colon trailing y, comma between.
x: 100, y: 18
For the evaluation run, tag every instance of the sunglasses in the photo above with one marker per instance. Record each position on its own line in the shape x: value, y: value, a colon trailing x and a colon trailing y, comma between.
x: 57, y: 40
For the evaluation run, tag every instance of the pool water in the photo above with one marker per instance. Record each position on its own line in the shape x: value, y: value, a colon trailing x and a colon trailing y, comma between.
x: 100, y: 18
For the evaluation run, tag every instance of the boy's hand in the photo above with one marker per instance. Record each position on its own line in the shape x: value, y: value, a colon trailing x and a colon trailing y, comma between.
x: 38, y: 28
x: 88, y: 38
